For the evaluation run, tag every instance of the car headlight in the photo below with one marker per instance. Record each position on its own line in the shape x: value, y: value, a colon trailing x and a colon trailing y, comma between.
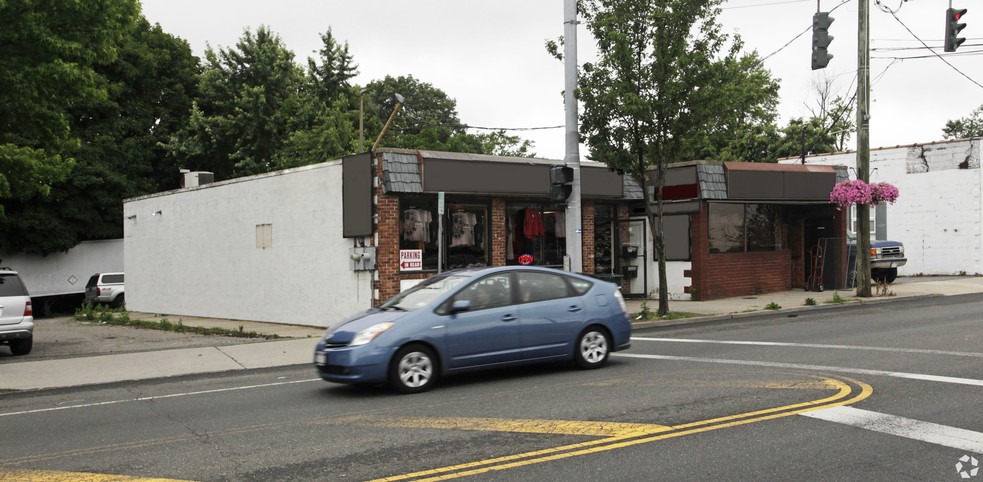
x: 370, y: 333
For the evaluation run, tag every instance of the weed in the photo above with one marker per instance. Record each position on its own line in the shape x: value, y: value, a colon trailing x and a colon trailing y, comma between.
x: 837, y: 298
x: 773, y: 306
x: 118, y: 316
x: 810, y: 302
x: 646, y: 313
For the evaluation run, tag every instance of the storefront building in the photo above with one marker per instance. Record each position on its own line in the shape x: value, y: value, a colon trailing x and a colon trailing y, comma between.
x: 752, y: 228
x: 314, y: 244
x: 497, y: 211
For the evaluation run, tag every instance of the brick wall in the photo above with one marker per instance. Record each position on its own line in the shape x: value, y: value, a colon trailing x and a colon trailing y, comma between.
x: 587, y: 239
x: 733, y: 274
x: 740, y: 274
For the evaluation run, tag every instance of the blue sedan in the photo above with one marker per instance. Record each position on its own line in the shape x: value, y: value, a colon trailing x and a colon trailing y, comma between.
x: 477, y: 318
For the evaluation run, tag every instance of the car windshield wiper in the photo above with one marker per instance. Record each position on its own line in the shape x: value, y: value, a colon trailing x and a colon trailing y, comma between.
x: 393, y: 307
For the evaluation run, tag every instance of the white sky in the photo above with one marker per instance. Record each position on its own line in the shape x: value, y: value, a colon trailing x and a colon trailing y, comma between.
x: 490, y: 56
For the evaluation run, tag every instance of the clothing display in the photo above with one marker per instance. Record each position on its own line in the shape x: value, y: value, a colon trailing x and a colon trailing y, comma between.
x: 532, y: 226
x: 416, y: 225
x: 560, y: 225
x: 462, y: 228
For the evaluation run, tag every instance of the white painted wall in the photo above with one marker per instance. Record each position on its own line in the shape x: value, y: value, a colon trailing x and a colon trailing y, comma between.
x: 199, y: 255
x: 677, y: 282
x: 939, y: 213
x: 66, y: 273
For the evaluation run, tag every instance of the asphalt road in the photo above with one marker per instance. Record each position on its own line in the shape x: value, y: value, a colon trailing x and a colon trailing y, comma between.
x: 877, y: 392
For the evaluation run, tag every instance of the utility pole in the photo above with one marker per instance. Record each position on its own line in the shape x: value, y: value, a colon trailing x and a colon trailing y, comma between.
x: 572, y: 139
x: 863, y: 147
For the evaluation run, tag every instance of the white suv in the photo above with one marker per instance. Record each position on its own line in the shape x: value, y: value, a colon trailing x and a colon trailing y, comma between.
x: 105, y: 288
x: 16, y: 315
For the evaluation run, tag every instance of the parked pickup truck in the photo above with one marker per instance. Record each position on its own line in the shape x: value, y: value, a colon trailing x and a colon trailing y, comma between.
x: 885, y: 258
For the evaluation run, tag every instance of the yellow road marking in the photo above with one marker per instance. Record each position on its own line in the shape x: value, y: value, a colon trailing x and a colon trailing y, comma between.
x: 19, y: 475
x: 625, y: 439
x: 555, y: 427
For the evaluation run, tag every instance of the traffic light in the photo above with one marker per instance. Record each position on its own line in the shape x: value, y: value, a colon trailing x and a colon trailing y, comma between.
x: 561, y: 182
x: 821, y: 39
x: 952, y: 28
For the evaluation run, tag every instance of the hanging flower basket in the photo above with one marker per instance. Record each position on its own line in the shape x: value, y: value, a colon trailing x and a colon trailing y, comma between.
x: 883, y: 192
x: 848, y: 193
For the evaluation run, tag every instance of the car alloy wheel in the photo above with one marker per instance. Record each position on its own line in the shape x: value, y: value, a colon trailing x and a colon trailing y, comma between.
x: 413, y: 369
x: 592, y: 348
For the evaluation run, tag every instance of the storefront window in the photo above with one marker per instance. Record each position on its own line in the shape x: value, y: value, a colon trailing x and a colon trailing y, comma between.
x: 740, y: 228
x: 604, y: 217
x: 536, y: 233
x: 467, y: 235
x: 465, y: 232
x: 418, y: 227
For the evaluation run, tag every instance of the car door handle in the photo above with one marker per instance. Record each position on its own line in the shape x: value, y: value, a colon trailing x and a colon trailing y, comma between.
x: 574, y: 308
x: 508, y: 318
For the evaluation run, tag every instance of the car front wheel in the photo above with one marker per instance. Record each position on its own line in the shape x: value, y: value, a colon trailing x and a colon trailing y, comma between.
x: 413, y: 369
x: 593, y: 347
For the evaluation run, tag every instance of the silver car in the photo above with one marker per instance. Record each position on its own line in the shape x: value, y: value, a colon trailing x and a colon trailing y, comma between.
x: 16, y: 314
x: 105, y: 288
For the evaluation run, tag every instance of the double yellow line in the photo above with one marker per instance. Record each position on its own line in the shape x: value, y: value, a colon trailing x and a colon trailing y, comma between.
x: 621, y: 435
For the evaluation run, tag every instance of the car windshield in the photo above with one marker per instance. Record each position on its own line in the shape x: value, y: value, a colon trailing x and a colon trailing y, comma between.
x: 422, y: 294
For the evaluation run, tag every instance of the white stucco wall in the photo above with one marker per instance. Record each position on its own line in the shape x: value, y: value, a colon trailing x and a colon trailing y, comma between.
x: 199, y: 255
x: 649, y: 284
x: 939, y: 213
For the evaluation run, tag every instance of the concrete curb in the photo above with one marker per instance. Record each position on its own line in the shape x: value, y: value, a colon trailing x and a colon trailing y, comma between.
x: 642, y: 325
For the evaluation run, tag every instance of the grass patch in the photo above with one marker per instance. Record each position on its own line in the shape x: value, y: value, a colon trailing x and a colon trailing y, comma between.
x: 773, y: 306
x: 837, y: 299
x: 648, y: 315
x: 119, y: 316
x: 810, y: 302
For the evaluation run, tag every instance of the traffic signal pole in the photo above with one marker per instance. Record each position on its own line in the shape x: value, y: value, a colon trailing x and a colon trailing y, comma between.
x: 863, y: 147
x: 572, y: 139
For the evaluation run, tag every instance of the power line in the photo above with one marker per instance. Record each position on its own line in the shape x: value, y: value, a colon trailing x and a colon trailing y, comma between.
x: 953, y: 67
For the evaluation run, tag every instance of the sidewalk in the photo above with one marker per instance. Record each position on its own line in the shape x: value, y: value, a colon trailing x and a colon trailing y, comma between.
x: 299, y: 348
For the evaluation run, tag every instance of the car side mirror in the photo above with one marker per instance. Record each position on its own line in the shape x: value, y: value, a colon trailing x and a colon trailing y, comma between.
x: 460, y: 306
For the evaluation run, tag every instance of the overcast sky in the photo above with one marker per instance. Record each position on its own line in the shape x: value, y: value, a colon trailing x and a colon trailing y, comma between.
x: 489, y: 56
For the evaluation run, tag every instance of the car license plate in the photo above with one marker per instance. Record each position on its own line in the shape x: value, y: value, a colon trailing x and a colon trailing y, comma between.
x: 321, y: 358
x: 894, y: 265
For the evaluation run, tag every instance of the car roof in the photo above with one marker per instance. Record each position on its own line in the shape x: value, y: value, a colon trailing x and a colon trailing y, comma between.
x: 482, y: 270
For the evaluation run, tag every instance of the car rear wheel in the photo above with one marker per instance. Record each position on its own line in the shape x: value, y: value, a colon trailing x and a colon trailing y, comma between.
x: 21, y: 346
x: 593, y: 347
x: 413, y: 369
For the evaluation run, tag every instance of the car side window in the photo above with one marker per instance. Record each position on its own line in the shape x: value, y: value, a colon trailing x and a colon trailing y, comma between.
x: 488, y: 292
x: 541, y: 286
x: 579, y: 286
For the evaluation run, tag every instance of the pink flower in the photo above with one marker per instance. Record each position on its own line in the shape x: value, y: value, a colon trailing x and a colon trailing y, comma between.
x: 884, y: 193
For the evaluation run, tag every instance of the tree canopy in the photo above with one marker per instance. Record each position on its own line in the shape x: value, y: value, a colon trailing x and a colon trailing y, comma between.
x: 51, y: 51
x: 93, y: 89
x: 969, y: 126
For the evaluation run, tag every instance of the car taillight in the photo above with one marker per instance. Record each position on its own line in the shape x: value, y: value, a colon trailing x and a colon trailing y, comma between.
x: 621, y: 300
x: 98, y: 291
x: 28, y: 311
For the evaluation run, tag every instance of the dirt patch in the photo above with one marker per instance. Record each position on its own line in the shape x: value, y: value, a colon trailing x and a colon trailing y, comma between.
x: 64, y: 337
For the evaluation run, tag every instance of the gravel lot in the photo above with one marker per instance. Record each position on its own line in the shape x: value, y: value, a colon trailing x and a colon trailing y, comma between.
x: 64, y: 337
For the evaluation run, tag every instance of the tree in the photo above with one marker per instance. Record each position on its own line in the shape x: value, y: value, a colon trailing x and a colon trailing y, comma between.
x: 428, y: 120
x: 148, y: 93
x: 50, y: 52
x: 239, y: 122
x: 970, y: 126
x: 325, y: 125
x: 664, y: 76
